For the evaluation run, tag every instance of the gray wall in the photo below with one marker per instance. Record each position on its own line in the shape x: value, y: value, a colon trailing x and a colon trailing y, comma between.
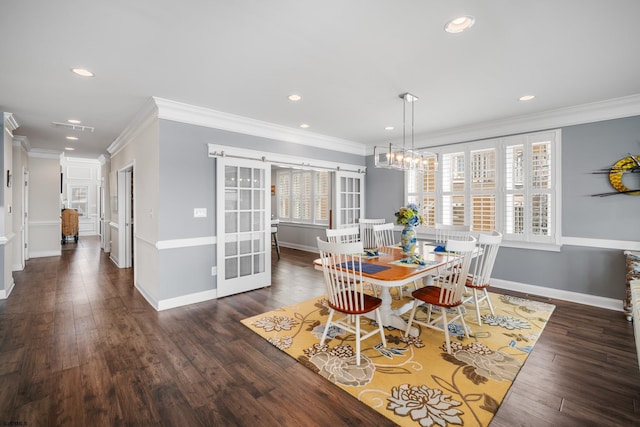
x: 187, y: 181
x: 593, y: 271
x: 384, y: 191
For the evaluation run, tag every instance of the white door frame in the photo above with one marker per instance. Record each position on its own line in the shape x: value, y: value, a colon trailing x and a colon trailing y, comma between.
x: 25, y: 216
x: 125, y: 212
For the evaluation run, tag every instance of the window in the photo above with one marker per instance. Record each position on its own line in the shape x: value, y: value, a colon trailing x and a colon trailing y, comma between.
x: 303, y: 196
x: 507, y: 184
x: 79, y: 199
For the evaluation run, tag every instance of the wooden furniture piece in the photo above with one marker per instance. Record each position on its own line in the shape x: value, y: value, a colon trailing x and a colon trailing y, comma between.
x: 632, y: 259
x: 391, y: 274
x: 447, y: 294
x: 343, y: 235
x: 480, y: 273
x: 69, y: 225
x: 345, y: 293
x: 366, y: 231
x: 274, y: 235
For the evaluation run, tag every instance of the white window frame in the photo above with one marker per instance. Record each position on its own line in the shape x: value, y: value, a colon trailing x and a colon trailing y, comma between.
x: 552, y: 242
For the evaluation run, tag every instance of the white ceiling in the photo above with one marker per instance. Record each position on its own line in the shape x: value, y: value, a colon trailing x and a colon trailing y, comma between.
x: 349, y: 59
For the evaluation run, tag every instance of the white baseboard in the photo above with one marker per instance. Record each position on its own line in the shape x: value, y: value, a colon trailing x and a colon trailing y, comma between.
x: 152, y: 301
x: 187, y: 299
x: 4, y: 294
x: 596, y: 301
x: 44, y: 254
x: 17, y: 267
x: 305, y: 248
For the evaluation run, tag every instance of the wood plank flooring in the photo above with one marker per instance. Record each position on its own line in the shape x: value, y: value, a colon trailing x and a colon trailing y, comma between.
x: 79, y: 346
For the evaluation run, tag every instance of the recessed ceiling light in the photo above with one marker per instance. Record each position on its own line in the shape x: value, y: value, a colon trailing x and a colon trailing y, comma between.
x: 460, y: 24
x: 72, y: 138
x: 389, y: 128
x: 304, y: 126
x: 526, y: 97
x: 74, y: 121
x: 69, y: 148
x: 294, y: 97
x: 82, y: 72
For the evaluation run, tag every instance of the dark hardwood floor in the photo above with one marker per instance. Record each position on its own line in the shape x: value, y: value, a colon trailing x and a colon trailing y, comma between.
x: 80, y: 346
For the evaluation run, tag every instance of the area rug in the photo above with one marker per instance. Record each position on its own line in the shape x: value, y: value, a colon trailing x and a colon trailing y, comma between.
x: 414, y: 381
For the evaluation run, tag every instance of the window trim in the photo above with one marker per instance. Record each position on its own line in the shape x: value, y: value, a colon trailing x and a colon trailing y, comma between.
x: 554, y: 242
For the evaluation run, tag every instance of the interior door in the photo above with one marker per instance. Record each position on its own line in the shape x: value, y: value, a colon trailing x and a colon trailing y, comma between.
x: 349, y: 199
x: 243, y: 225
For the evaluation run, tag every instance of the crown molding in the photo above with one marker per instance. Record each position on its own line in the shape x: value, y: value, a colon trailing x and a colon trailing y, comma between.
x: 10, y: 122
x: 145, y: 116
x: 191, y: 114
x: 616, y: 108
x: 42, y: 153
x: 22, y: 141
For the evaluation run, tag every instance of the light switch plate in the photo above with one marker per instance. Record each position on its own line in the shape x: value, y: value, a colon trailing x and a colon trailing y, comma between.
x: 199, y: 212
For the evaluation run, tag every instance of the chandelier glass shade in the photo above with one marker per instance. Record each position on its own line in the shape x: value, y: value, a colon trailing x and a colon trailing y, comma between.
x: 400, y: 157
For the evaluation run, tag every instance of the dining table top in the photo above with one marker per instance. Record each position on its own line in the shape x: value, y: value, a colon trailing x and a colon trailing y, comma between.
x: 392, y: 270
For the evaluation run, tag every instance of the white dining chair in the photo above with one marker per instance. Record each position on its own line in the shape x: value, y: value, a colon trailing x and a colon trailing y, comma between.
x: 383, y: 235
x: 345, y: 294
x: 366, y: 231
x: 445, y: 232
x: 343, y: 235
x: 447, y: 291
x: 480, y: 273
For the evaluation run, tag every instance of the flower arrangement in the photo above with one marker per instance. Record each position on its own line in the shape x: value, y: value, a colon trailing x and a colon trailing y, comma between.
x: 409, y: 215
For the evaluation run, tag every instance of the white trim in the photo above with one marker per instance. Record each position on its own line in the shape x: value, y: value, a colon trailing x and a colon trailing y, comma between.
x: 17, y: 267
x: 21, y: 141
x: 579, y: 298
x: 312, y: 249
x: 216, y: 150
x: 152, y: 301
x: 186, y: 243
x: 44, y: 223
x: 4, y: 294
x: 624, y: 245
x: 44, y: 254
x: 11, y: 123
x: 142, y: 119
x: 200, y: 116
x: 42, y: 153
x: 616, y: 108
x: 187, y: 299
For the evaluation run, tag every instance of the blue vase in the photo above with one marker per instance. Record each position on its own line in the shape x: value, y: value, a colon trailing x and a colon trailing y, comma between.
x: 408, y: 240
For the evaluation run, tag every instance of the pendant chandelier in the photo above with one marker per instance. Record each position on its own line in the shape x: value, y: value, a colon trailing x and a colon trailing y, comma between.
x: 403, y: 158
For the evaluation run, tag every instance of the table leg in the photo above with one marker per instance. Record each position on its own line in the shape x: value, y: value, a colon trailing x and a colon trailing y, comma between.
x: 389, y: 316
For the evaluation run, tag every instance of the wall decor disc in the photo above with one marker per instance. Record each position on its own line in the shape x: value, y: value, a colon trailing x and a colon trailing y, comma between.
x: 619, y: 169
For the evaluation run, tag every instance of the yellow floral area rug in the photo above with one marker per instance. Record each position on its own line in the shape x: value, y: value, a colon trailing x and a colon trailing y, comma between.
x: 413, y: 381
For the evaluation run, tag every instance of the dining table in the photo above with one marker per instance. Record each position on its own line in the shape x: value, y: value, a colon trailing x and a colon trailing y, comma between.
x: 386, y: 270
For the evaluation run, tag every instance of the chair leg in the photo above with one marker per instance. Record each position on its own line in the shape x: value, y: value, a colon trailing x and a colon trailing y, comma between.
x: 477, y: 304
x: 411, y: 316
x: 464, y: 325
x: 486, y: 296
x: 275, y: 241
x: 357, y: 340
x: 445, y: 329
x: 381, y: 327
x: 326, y: 327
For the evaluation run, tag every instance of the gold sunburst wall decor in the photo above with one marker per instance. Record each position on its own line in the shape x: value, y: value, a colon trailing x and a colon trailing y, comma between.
x: 627, y: 166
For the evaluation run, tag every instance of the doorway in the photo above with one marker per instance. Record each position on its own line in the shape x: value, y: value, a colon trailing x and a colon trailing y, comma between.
x: 126, y: 216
